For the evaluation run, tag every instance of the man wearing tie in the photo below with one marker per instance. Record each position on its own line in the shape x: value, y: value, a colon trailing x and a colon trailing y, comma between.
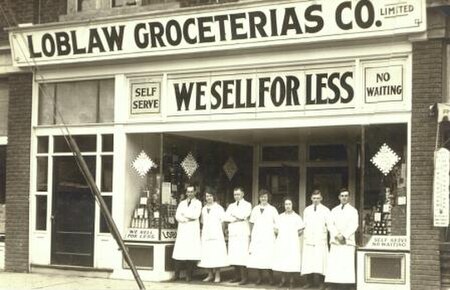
x: 341, y: 260
x: 237, y: 216
x: 187, y: 249
x: 315, y: 240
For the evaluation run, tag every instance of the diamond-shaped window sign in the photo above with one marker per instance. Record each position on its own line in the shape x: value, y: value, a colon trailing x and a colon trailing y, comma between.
x: 385, y: 159
x: 143, y: 164
x: 230, y: 168
x: 189, y: 165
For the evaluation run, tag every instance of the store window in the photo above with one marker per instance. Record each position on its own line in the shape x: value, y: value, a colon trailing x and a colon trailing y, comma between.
x: 385, y: 197
x: 174, y: 162
x: 77, y: 102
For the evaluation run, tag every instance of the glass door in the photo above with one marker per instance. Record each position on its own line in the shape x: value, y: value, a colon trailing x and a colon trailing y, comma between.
x: 72, y: 214
x: 329, y: 180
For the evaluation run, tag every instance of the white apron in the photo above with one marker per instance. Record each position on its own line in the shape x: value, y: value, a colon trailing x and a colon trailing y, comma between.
x: 238, y: 232
x: 262, y: 241
x: 315, y: 244
x: 341, y: 259
x: 188, y: 244
x: 214, y: 251
x: 287, y: 245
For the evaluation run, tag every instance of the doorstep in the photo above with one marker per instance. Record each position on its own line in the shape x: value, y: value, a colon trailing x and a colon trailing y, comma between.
x: 71, y: 270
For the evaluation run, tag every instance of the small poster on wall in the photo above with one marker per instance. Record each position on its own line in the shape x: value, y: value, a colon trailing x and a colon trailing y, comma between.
x: 441, y: 188
x: 145, y: 97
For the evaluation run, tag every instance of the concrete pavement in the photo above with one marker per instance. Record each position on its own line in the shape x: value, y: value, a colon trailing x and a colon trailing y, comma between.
x: 22, y: 281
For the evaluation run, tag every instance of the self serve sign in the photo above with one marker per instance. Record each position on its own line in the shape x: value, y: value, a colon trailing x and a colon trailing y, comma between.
x: 145, y: 98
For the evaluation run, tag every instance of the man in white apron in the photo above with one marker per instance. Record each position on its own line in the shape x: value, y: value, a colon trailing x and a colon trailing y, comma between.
x: 315, y: 241
x: 342, y: 227
x: 187, y: 249
x: 237, y: 216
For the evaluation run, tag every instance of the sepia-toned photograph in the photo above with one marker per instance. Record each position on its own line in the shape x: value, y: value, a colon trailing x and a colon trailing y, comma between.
x: 225, y: 144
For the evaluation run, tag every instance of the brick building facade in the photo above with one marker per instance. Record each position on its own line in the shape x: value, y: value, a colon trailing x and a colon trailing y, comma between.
x: 429, y: 86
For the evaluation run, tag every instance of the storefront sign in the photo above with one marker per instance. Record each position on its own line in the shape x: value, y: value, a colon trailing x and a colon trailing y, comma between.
x: 145, y: 98
x: 264, y: 91
x: 245, y: 27
x: 383, y: 84
x: 168, y: 235
x: 142, y: 235
x: 441, y: 187
x: 388, y: 243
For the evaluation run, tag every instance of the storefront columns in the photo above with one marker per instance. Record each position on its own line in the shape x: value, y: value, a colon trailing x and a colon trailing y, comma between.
x: 18, y: 174
x: 428, y: 69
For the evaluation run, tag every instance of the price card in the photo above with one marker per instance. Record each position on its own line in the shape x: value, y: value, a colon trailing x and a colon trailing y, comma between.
x: 377, y: 217
x: 143, y: 201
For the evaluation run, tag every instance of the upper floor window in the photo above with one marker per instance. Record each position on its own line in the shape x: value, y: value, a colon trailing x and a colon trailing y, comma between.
x: 77, y: 102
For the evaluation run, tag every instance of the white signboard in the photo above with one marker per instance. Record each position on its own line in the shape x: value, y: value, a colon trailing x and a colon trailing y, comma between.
x: 383, y: 84
x: 145, y: 98
x: 217, y: 28
x: 388, y: 243
x: 264, y: 91
x: 142, y: 235
x: 441, y: 187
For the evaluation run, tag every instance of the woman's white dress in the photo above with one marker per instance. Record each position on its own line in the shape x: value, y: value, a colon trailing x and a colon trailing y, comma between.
x: 213, y: 250
x: 262, y: 241
x: 287, y: 245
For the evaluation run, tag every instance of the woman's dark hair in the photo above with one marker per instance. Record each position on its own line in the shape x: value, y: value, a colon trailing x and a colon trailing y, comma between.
x: 214, y: 195
x: 288, y: 198
x: 264, y: 192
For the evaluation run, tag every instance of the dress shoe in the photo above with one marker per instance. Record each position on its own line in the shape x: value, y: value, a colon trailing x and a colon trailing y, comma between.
x: 282, y: 283
x: 243, y: 282
x: 209, y: 278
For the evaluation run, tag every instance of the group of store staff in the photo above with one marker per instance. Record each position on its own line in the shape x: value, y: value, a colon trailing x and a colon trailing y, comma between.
x: 264, y: 240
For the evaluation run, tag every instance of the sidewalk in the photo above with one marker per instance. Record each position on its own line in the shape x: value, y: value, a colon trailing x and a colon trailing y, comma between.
x: 23, y: 281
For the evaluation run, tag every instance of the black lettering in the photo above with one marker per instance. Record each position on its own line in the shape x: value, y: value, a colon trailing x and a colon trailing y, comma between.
x: 274, y: 22
x: 140, y: 42
x: 370, y: 14
x: 215, y: 94
x: 334, y: 88
x: 199, y: 94
x: 262, y: 89
x: 339, y: 11
x: 346, y: 86
x: 33, y: 54
x: 227, y: 91
x: 202, y: 29
x: 239, y: 104
x: 278, y: 87
x: 257, y: 25
x: 292, y: 84
x: 310, y: 17
x: 187, y: 37
x: 319, y: 85
x: 170, y: 27
x: 309, y: 100
x: 76, y: 50
x: 183, y: 95
x: 235, y: 26
x: 249, y: 102
x: 114, y: 38
x: 47, y: 40
x: 221, y: 20
x: 156, y: 32
x: 290, y: 21
x: 95, y: 41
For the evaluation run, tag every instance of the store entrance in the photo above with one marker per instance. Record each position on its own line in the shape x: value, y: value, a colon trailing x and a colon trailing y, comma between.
x: 72, y: 214
x: 329, y: 180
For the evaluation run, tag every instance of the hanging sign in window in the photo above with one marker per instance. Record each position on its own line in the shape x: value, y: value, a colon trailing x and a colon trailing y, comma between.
x: 145, y: 98
x: 441, y: 187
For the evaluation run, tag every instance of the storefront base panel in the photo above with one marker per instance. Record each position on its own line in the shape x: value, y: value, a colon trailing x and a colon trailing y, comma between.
x: 70, y: 271
x: 383, y: 270
x: 156, y: 265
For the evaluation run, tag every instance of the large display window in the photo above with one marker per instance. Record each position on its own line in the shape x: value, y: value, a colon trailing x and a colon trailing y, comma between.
x: 163, y: 165
x: 384, y: 216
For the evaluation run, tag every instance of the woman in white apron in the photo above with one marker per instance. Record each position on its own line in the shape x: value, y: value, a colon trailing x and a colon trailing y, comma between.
x: 287, y: 259
x: 262, y: 242
x: 214, y: 251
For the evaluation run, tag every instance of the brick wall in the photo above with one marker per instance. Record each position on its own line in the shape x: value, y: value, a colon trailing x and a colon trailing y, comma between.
x: 18, y: 173
x: 427, y: 89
